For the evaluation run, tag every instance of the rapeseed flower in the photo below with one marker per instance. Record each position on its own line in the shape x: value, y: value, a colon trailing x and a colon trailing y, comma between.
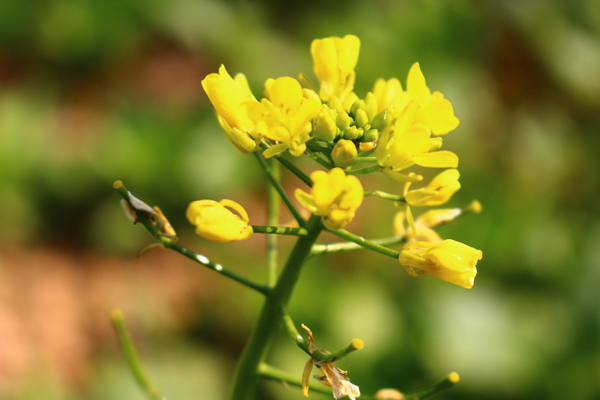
x: 334, y: 60
x: 448, y: 260
x: 215, y: 220
x: 285, y: 117
x: 335, y: 197
x: 231, y: 98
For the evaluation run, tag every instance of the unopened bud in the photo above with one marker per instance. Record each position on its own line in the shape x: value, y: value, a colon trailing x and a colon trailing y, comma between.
x: 343, y: 120
x: 325, y: 127
x: 344, y: 153
x: 361, y: 118
x: 370, y: 136
x: 366, y: 146
x: 357, y: 105
x: 353, y: 133
x: 336, y: 104
x: 371, y: 105
x: 381, y: 120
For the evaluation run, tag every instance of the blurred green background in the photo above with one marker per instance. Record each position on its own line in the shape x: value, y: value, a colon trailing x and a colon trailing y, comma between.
x: 95, y: 91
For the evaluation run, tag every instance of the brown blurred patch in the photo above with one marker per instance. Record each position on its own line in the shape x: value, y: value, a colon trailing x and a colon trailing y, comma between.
x: 54, y: 308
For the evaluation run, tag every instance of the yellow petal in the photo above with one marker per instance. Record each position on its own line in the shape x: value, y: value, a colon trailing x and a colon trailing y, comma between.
x: 438, y: 115
x: 416, y: 86
x: 437, y: 159
x: 286, y: 93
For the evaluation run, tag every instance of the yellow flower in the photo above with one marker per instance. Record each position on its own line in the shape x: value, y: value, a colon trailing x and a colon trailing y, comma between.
x: 449, y: 260
x: 434, y: 112
x: 333, y: 377
x: 286, y: 116
x: 406, y: 143
x: 231, y: 97
x: 215, y: 221
x: 334, y: 61
x: 335, y: 197
x: 437, y: 192
x: 390, y: 94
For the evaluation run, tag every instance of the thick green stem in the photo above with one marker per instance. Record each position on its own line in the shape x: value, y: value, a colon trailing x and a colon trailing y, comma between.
x: 273, y: 219
x: 270, y: 316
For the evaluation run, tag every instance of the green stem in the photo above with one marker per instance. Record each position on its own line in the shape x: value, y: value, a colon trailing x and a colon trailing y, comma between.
x: 135, y: 365
x: 279, y: 230
x: 200, y: 259
x: 319, y: 249
x: 274, y: 374
x: 273, y: 219
x: 320, y: 355
x: 271, y: 315
x: 171, y: 243
x: 293, y: 169
x: 367, y: 244
x: 385, y: 196
x: 365, y: 160
x: 277, y: 186
x: 319, y: 160
x: 449, y: 381
x: 363, y: 171
x: 293, y: 333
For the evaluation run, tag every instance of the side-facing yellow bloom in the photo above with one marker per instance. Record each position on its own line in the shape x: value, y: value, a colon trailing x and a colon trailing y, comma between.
x: 435, y: 112
x: 285, y: 117
x: 334, y: 60
x: 215, y: 221
x: 335, y: 197
x: 231, y: 98
x: 437, y: 192
x: 407, y: 143
x: 449, y: 260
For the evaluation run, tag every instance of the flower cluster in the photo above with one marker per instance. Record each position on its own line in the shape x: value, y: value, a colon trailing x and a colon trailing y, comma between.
x: 391, y: 127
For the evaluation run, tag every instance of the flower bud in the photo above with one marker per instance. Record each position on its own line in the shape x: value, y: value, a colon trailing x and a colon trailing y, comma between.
x: 325, y: 127
x: 344, y: 153
x: 215, y: 221
x: 370, y: 136
x: 361, y: 118
x: 343, y: 120
x: 353, y: 133
x: 371, y: 105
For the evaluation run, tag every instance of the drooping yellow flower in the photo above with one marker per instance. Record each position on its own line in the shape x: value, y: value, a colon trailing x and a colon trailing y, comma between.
x: 231, y: 98
x: 434, y: 111
x: 215, y: 221
x: 333, y: 376
x: 335, y: 197
x: 334, y: 60
x: 285, y: 117
x: 407, y: 143
x: 437, y: 192
x: 448, y: 260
